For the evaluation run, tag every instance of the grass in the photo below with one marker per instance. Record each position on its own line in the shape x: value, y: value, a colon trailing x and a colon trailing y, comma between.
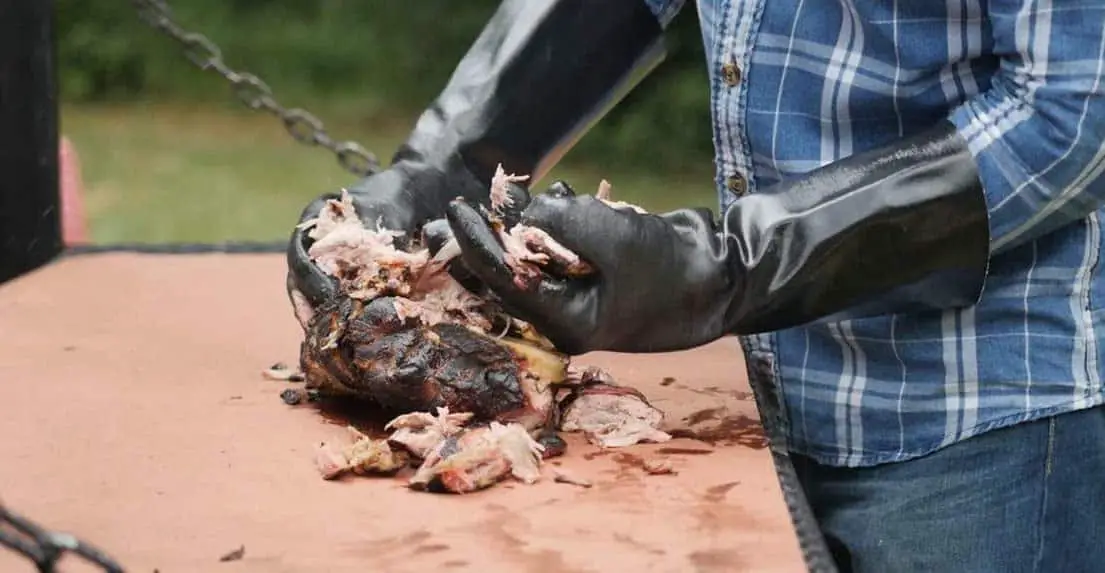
x: 178, y: 173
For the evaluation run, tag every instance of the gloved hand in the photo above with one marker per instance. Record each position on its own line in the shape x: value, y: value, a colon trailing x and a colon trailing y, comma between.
x: 403, y: 197
x: 659, y: 282
x: 898, y: 229
x: 525, y: 58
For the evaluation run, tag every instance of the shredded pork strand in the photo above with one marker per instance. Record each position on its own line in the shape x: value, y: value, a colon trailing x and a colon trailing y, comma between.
x: 369, y: 265
x: 443, y: 304
x: 604, y: 194
x: 421, y: 432
x: 604, y: 191
x: 529, y: 249
x: 523, y: 452
x: 366, y: 261
x: 500, y: 188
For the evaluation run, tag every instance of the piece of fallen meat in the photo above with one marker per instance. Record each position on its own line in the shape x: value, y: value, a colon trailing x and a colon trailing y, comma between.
x: 365, y: 456
x: 658, y: 466
x: 611, y: 416
x: 564, y: 476
x: 282, y: 372
x: 330, y: 461
x: 420, y: 432
x: 479, y: 457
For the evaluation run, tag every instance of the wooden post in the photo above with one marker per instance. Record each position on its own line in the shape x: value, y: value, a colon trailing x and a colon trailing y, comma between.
x: 30, y: 212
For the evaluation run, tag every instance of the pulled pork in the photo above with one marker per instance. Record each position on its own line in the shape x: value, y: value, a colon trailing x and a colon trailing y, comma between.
x: 405, y: 334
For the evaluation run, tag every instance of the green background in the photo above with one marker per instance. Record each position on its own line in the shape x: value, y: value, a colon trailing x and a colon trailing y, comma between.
x: 156, y: 133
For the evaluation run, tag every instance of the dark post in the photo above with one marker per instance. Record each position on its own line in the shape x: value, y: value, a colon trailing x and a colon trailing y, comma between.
x: 30, y: 210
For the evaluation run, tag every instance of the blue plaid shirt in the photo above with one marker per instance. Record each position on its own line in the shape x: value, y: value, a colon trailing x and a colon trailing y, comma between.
x: 797, y: 84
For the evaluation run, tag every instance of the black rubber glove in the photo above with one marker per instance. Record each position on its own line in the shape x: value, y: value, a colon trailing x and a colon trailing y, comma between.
x: 518, y: 98
x: 403, y: 197
x: 899, y: 229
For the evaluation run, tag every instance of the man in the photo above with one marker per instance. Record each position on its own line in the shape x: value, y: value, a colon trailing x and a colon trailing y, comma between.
x: 908, y: 244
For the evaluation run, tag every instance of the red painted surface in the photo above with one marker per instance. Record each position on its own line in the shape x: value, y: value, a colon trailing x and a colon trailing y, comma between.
x: 74, y: 218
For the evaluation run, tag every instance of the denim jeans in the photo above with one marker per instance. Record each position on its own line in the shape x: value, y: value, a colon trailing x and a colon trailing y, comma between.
x: 1028, y: 498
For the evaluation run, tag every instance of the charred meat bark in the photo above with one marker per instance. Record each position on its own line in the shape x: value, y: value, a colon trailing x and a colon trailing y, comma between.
x: 404, y: 366
x: 409, y: 337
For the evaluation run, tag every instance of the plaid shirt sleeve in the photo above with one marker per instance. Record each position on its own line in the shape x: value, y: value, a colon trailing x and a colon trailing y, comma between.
x: 665, y: 10
x: 1037, y: 132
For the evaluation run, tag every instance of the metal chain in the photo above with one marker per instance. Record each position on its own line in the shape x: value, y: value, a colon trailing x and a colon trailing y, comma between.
x: 254, y: 93
x: 46, y: 548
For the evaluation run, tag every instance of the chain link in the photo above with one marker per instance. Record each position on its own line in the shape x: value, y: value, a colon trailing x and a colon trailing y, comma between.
x: 303, y: 126
x: 46, y: 548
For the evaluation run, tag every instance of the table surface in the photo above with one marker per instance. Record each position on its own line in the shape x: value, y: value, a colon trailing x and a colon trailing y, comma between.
x: 138, y: 420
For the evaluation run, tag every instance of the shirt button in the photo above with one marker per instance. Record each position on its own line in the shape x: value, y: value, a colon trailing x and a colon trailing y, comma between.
x: 737, y: 185
x: 731, y: 74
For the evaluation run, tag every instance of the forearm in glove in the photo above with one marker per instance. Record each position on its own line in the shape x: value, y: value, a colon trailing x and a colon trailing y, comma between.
x: 899, y: 229
x: 519, y: 98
